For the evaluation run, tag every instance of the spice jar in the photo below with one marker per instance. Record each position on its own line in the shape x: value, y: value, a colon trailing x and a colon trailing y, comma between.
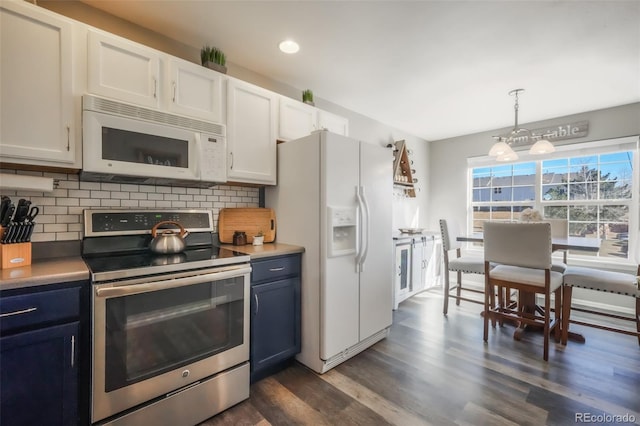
x: 239, y: 238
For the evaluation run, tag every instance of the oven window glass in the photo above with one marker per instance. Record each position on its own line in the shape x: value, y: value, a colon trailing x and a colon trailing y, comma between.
x: 134, y: 147
x: 151, y: 333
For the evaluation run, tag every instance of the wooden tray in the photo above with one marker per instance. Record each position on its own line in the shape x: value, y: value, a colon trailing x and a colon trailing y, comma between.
x: 249, y: 220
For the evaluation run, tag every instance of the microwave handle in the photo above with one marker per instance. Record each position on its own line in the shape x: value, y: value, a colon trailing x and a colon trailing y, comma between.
x: 127, y: 290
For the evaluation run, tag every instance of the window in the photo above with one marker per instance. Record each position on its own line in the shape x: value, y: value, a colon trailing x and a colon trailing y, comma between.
x: 593, y: 192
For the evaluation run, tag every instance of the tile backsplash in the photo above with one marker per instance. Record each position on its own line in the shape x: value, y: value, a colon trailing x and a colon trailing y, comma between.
x: 60, y: 217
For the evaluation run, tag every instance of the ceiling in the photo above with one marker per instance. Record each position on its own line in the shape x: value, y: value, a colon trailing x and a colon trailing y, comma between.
x: 434, y: 69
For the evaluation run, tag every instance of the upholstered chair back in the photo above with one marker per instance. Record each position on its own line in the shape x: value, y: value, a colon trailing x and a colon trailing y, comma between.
x: 525, y: 244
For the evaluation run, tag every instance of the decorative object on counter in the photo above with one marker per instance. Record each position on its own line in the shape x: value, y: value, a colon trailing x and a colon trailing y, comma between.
x: 239, y: 238
x: 402, y: 171
x: 258, y: 239
x: 307, y: 97
x: 213, y: 58
x: 167, y: 241
x: 530, y: 215
x: 503, y: 150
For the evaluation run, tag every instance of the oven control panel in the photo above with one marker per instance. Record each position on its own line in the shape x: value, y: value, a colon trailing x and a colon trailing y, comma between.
x: 128, y: 222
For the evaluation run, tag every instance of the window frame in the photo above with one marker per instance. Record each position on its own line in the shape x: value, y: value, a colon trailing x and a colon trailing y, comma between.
x: 572, y: 151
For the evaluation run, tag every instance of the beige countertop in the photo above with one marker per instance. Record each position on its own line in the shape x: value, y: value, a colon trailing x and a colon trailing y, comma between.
x: 265, y: 250
x: 41, y: 272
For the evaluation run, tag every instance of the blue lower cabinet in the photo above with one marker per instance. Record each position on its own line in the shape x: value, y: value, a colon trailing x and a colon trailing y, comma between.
x: 275, y: 314
x: 41, y: 356
x: 39, y: 377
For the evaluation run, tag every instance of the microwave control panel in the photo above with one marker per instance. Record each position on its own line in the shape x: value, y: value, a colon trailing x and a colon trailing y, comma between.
x: 213, y: 158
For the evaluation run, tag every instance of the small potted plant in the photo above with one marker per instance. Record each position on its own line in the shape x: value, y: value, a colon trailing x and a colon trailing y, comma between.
x: 213, y: 58
x: 258, y: 239
x: 307, y: 97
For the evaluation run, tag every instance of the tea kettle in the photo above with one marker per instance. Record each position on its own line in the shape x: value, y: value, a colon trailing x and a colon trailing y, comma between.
x: 166, y: 241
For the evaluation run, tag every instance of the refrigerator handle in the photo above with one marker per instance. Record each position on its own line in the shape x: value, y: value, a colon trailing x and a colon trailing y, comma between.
x: 359, y: 229
x: 366, y: 229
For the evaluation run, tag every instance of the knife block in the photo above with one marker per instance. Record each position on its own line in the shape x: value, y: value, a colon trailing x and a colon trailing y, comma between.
x: 14, y: 255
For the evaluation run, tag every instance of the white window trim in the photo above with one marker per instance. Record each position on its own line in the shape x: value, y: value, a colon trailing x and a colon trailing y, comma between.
x: 629, y: 143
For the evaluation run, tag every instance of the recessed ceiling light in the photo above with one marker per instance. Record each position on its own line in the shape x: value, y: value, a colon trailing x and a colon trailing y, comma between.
x: 289, y: 46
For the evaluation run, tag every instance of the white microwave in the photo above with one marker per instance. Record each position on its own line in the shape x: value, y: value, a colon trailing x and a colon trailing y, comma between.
x: 130, y: 144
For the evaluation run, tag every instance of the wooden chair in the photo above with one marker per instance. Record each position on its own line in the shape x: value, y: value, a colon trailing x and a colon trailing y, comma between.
x: 459, y: 264
x: 559, y: 229
x: 604, y: 281
x: 521, y: 258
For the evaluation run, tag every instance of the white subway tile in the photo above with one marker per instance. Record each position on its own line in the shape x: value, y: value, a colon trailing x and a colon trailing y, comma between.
x: 89, y: 202
x: 54, y: 210
x: 138, y: 196
x: 171, y: 197
x: 107, y: 202
x: 68, y: 184
x: 55, y: 227
x: 120, y: 195
x: 100, y: 194
x: 178, y: 190
x: 129, y: 188
x: 77, y: 210
x: 46, y: 218
x: 110, y: 186
x: 156, y: 197
x: 75, y: 227
x: 82, y: 193
x: 163, y: 189
x: 147, y: 203
x: 193, y: 191
x: 186, y: 198
x: 90, y: 185
x: 152, y: 188
x: 68, y: 218
x: 129, y: 203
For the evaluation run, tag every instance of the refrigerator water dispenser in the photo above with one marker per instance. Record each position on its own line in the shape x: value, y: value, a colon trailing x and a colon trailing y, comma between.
x: 342, y: 231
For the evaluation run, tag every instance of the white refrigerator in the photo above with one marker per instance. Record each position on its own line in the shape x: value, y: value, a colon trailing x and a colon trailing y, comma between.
x: 334, y: 198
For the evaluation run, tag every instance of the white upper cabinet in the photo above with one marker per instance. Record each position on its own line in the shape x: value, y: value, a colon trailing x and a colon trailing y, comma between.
x: 251, y: 133
x: 194, y: 90
x: 37, y: 125
x: 297, y: 119
x: 333, y: 123
x: 124, y: 70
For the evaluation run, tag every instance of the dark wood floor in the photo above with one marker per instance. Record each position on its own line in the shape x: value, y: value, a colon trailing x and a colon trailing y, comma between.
x: 437, y: 370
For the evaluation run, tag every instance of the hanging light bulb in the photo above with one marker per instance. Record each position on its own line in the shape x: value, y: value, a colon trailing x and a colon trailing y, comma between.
x: 542, y: 146
x: 499, y: 148
x: 510, y: 155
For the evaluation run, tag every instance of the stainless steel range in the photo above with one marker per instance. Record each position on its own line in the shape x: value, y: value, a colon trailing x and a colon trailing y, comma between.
x: 170, y: 342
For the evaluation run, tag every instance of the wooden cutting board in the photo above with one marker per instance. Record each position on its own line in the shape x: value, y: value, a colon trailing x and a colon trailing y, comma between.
x: 249, y: 220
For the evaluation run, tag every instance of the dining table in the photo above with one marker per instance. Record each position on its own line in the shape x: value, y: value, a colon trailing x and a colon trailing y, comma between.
x: 527, y: 301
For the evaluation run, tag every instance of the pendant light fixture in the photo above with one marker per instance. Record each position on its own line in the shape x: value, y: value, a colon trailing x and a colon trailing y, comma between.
x: 502, y: 149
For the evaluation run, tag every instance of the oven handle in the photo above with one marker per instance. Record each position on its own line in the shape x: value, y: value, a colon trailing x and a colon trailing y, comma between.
x: 126, y: 290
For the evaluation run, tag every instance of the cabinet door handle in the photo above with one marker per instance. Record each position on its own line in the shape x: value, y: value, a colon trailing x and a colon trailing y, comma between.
x: 155, y: 88
x: 255, y: 297
x: 231, y: 155
x: 20, y: 312
x: 73, y: 350
x: 174, y: 92
x: 276, y: 269
x: 68, y: 138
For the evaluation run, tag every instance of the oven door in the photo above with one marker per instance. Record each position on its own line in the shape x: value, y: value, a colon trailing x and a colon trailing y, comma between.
x: 151, y: 338
x: 116, y: 145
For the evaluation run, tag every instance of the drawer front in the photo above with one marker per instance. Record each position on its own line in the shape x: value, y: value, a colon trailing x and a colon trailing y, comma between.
x: 275, y: 268
x: 27, y: 310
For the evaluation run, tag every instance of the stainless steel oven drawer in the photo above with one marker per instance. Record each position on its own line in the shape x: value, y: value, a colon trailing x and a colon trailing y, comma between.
x: 193, y: 404
x: 33, y: 309
x: 275, y: 268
